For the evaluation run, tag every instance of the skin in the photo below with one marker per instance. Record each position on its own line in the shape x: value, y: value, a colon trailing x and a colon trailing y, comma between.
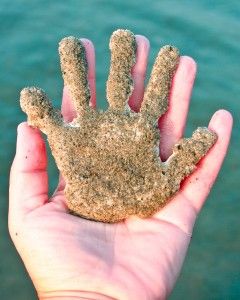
x: 134, y: 259
x: 100, y: 154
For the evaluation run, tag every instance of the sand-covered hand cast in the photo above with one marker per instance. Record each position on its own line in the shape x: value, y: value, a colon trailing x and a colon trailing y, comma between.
x: 110, y: 160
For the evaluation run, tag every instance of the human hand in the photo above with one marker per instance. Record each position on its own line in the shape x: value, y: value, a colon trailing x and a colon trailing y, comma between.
x: 67, y: 256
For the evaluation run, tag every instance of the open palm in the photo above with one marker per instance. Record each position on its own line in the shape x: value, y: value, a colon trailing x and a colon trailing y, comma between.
x: 67, y: 256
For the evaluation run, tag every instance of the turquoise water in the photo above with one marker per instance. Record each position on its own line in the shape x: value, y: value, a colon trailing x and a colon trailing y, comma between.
x: 209, y: 31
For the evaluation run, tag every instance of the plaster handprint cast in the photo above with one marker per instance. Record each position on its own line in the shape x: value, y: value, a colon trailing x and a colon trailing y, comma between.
x: 110, y: 160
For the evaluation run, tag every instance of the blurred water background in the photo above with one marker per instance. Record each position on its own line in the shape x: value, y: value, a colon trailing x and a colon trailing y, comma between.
x: 207, y: 30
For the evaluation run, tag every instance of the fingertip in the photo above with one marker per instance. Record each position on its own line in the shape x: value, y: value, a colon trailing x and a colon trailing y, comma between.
x: 28, y: 137
x: 87, y: 42
x: 142, y: 41
x: 190, y: 62
x: 186, y: 70
x: 26, y: 132
x: 221, y: 123
x: 221, y: 117
x: 143, y: 46
x: 90, y: 53
x: 24, y: 127
x: 30, y: 148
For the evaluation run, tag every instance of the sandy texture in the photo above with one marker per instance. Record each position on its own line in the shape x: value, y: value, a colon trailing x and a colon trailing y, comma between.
x: 110, y: 160
x: 120, y: 84
x: 74, y: 70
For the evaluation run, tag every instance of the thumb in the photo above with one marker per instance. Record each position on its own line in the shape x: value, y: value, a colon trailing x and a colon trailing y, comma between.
x: 28, y: 178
